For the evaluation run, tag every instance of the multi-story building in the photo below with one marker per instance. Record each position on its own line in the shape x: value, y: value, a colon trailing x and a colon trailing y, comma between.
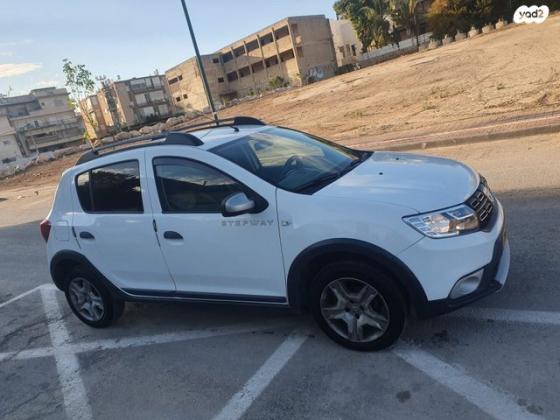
x: 296, y: 50
x: 125, y: 104
x: 9, y: 149
x: 94, y: 121
x: 347, y: 45
x: 44, y: 120
x: 136, y: 101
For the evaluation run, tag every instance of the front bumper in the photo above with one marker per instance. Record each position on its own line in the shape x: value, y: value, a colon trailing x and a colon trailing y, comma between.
x: 493, y: 279
x: 439, y: 264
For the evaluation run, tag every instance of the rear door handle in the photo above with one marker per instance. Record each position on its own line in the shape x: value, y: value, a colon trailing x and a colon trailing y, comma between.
x: 86, y: 235
x: 172, y: 235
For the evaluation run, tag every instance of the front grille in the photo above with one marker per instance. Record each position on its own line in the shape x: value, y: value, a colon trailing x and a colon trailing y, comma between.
x: 483, y: 204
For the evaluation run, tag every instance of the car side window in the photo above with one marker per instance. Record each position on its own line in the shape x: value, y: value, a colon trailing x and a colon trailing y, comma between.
x: 186, y: 186
x: 112, y: 188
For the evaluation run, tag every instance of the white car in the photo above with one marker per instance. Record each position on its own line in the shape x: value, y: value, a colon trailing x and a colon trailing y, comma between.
x: 249, y: 213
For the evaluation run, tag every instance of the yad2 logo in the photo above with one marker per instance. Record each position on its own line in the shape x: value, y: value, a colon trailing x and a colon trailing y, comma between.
x: 532, y: 14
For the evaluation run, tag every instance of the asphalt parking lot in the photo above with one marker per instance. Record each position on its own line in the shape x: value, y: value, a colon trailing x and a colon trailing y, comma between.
x: 497, y: 359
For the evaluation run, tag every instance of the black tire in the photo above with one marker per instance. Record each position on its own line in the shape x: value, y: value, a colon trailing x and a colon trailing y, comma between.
x: 112, y: 308
x: 392, y: 303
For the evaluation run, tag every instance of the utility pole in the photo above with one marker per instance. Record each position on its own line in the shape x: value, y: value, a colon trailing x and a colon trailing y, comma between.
x: 200, y: 64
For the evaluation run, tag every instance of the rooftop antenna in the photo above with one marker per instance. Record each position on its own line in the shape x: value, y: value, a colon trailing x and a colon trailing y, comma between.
x: 200, y: 65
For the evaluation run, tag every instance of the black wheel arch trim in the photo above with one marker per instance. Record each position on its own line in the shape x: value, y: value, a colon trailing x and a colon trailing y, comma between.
x: 300, y: 276
x: 59, y: 264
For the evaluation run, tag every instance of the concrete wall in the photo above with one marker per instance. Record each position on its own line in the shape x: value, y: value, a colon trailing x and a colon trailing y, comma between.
x: 186, y: 87
x: 347, y: 46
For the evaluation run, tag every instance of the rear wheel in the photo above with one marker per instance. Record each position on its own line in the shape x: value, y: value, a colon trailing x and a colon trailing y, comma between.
x: 90, y: 300
x: 358, y: 306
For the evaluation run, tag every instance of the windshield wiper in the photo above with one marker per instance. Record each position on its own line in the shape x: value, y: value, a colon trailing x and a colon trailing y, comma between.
x: 318, y: 182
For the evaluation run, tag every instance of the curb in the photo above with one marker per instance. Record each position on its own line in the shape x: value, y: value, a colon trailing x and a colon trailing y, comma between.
x: 478, y: 138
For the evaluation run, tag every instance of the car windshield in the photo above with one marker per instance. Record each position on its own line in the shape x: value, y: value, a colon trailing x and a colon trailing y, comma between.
x: 290, y: 159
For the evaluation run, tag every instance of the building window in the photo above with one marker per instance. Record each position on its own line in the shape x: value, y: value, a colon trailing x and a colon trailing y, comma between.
x: 266, y: 39
x: 253, y: 45
x: 342, y: 51
x: 239, y: 51
x: 282, y: 32
x: 227, y: 57
x: 245, y: 71
x: 185, y: 96
x: 354, y: 50
x: 178, y: 98
x: 287, y: 55
x: 220, y: 80
x: 258, y: 66
x: 295, y: 29
x: 271, y: 61
x: 299, y: 52
x: 172, y: 81
x: 216, y: 60
x: 232, y: 76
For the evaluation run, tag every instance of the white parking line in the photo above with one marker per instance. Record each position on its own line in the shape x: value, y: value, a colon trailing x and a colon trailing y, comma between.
x: 129, y: 342
x: 242, y: 400
x: 498, y: 404
x: 509, y: 315
x: 67, y: 365
x: 18, y: 297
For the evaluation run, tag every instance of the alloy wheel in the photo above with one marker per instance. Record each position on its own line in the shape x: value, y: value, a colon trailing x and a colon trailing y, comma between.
x: 86, y: 299
x: 354, y: 309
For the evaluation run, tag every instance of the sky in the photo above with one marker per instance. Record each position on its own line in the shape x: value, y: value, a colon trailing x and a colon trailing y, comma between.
x: 128, y: 38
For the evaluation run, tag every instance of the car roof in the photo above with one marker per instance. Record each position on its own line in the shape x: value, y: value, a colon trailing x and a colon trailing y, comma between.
x: 217, y: 136
x: 204, y: 136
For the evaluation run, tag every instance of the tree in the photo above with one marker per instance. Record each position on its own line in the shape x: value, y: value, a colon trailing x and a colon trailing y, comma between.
x: 79, y: 81
x: 446, y: 17
x: 403, y: 13
x: 369, y: 19
x: 377, y: 12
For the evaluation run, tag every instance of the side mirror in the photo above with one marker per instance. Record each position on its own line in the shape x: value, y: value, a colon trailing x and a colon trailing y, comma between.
x: 237, y: 204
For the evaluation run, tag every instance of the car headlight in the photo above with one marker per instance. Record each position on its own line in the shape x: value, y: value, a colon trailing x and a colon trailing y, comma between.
x: 445, y: 223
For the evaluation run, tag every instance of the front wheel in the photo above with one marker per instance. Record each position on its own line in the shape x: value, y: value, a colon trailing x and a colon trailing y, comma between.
x: 358, y: 306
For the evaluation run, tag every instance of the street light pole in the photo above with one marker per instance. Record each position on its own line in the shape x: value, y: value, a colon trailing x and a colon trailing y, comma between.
x: 200, y: 64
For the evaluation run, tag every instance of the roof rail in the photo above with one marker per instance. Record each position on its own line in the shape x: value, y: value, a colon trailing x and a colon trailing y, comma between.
x: 171, y: 137
x: 181, y: 137
x: 227, y: 122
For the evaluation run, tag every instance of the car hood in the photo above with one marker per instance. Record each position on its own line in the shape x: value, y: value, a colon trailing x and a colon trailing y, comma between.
x: 423, y: 183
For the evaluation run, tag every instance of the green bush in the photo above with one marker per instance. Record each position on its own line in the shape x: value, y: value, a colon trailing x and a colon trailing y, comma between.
x: 277, y: 82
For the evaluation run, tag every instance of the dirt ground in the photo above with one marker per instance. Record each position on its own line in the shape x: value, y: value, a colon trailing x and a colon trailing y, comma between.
x: 499, y: 77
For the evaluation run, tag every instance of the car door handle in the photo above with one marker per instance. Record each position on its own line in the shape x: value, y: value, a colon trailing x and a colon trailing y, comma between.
x: 172, y: 235
x: 86, y: 235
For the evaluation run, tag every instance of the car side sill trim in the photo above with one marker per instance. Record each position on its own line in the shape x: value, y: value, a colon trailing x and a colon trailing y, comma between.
x: 214, y: 297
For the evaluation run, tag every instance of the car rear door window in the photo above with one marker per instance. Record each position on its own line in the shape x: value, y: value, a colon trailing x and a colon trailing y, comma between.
x: 111, y: 189
x: 186, y: 186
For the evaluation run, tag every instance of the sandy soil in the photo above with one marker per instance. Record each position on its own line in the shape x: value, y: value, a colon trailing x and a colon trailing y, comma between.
x: 497, y: 77
x: 494, y: 77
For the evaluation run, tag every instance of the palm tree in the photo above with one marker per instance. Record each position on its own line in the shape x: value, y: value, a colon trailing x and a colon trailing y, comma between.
x: 403, y: 13
x: 377, y: 12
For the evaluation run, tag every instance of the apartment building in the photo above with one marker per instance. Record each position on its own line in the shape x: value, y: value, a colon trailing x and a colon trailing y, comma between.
x: 297, y: 49
x: 126, y: 104
x: 347, y: 45
x: 9, y: 149
x: 94, y: 122
x: 44, y: 120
